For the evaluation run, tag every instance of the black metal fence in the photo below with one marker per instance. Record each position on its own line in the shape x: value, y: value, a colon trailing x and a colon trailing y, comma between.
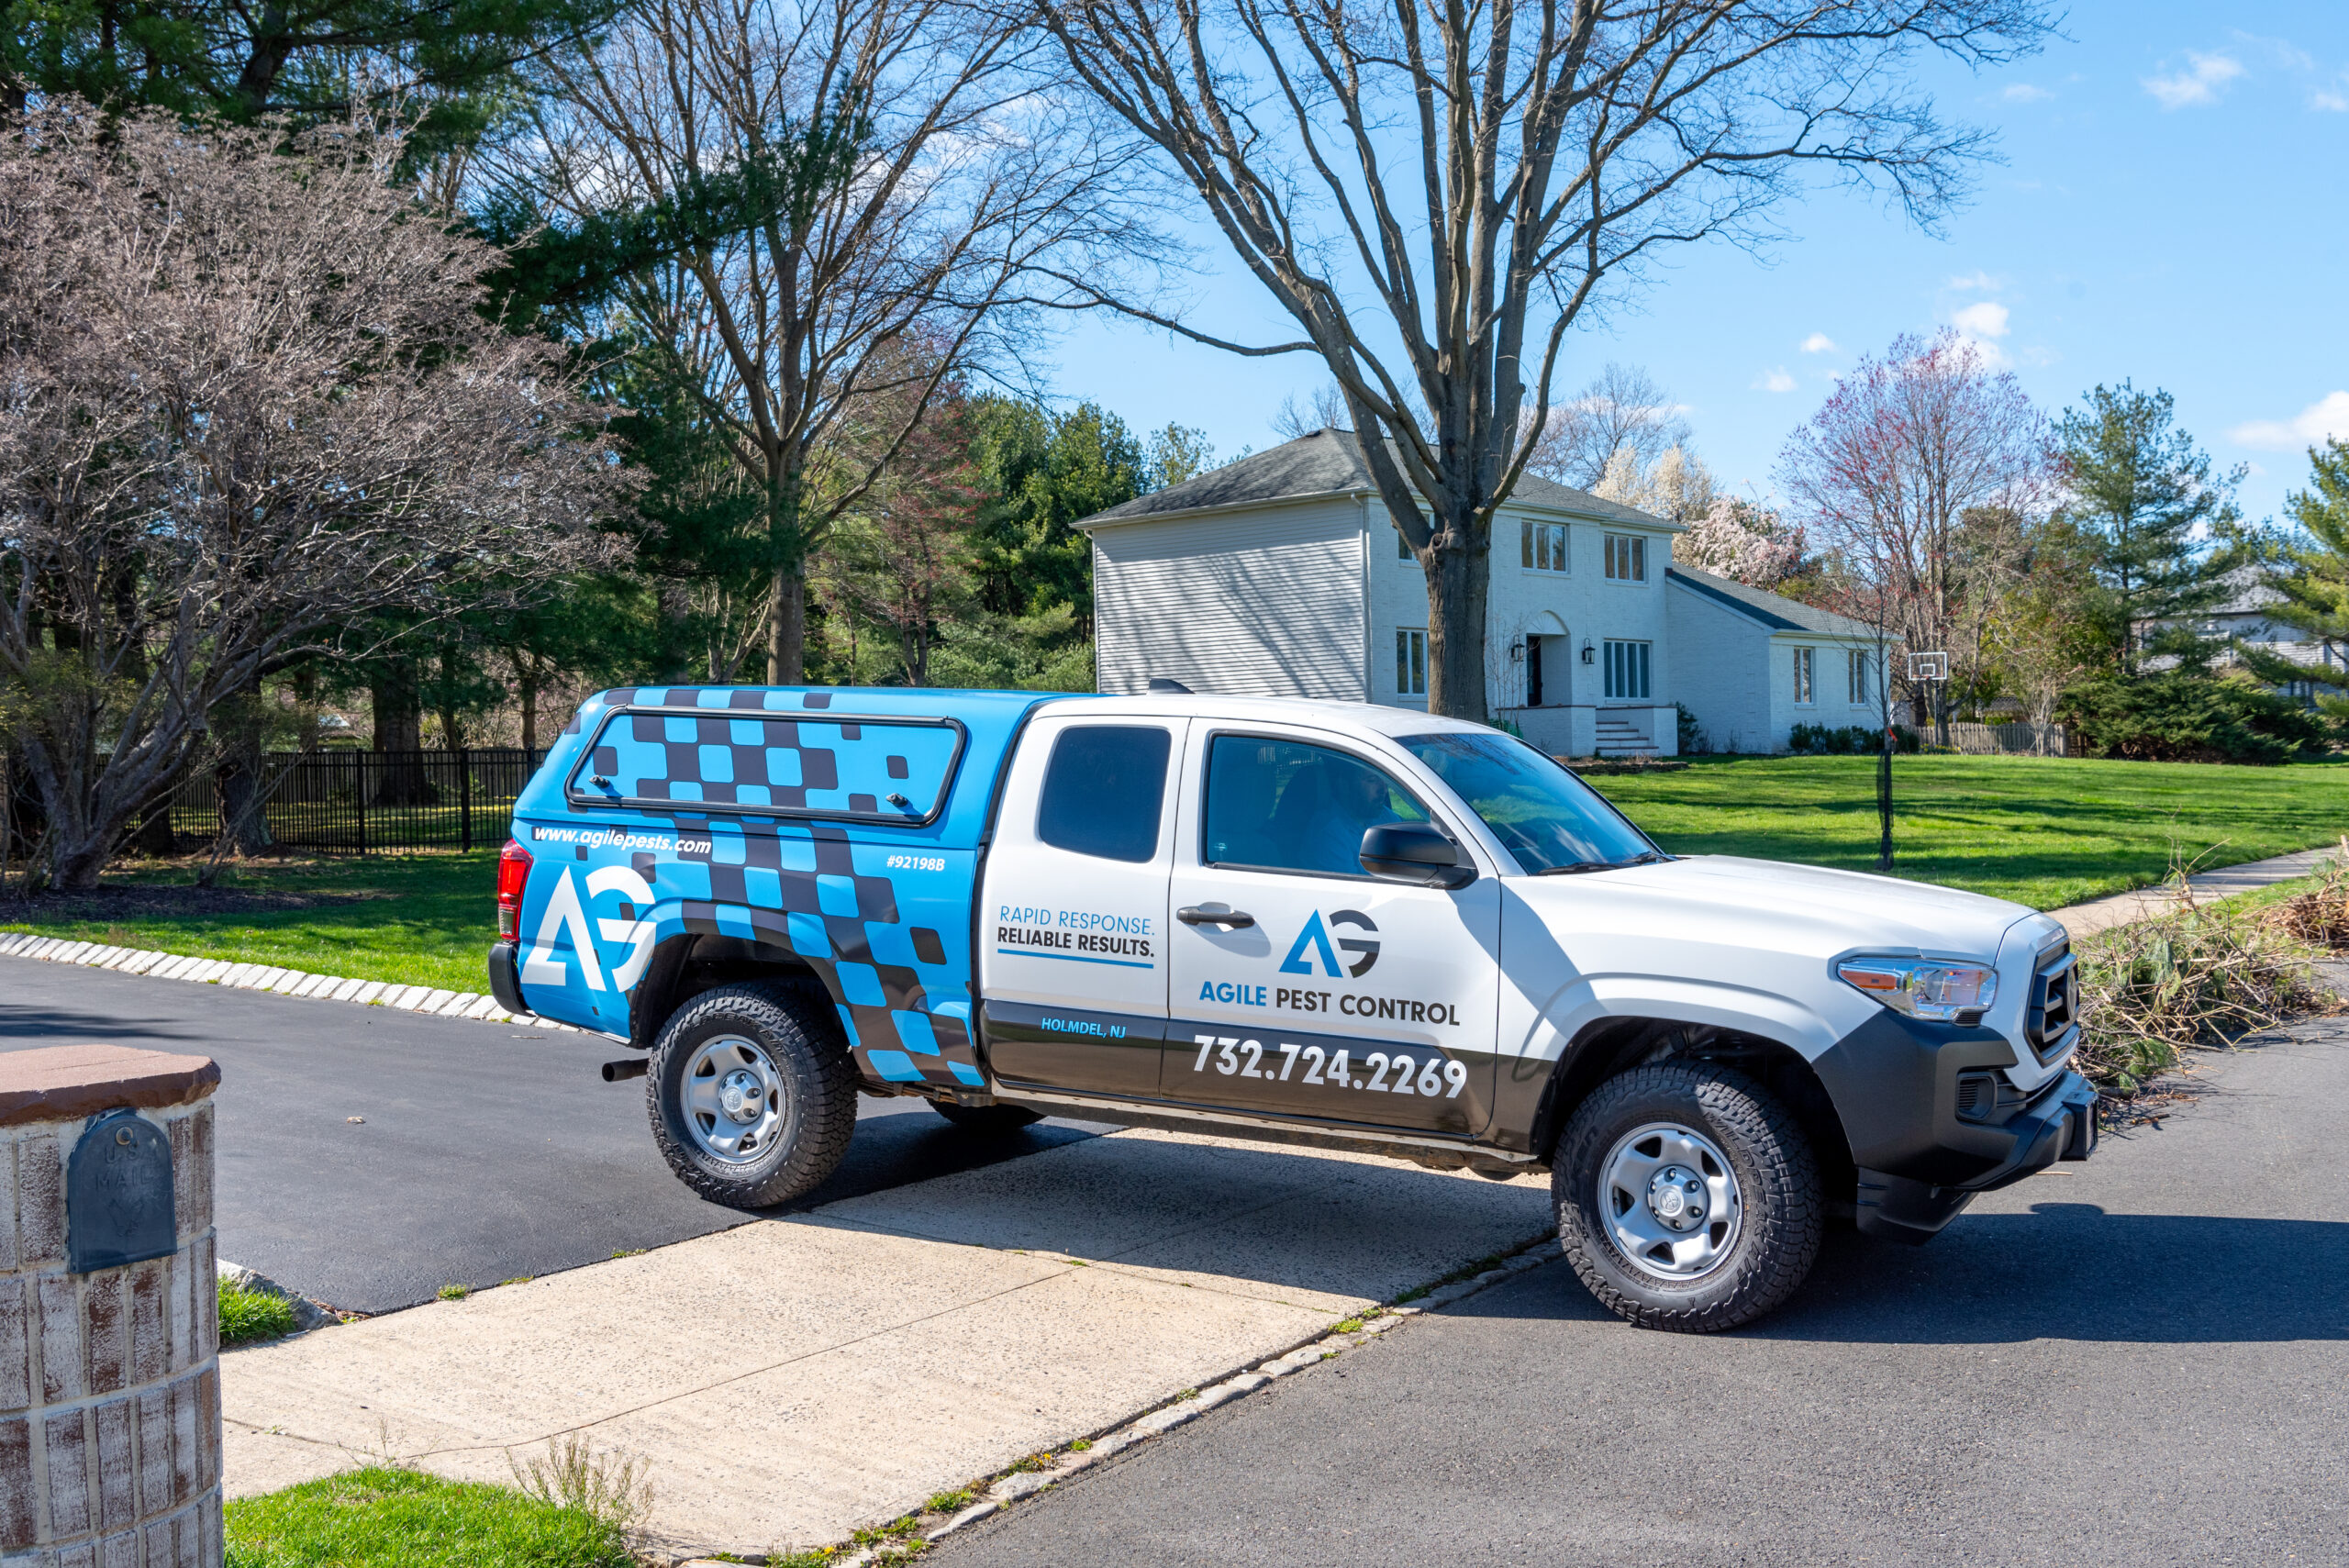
x: 365, y: 803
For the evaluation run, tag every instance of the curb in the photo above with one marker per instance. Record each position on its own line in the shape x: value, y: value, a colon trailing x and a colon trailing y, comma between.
x: 468, y: 1004
x: 1014, y: 1486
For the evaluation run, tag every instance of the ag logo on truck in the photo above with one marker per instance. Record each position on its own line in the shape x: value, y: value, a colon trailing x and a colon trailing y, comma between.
x: 1316, y: 938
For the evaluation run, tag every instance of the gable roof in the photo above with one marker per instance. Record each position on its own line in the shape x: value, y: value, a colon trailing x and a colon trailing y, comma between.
x: 1777, y: 613
x: 1330, y: 462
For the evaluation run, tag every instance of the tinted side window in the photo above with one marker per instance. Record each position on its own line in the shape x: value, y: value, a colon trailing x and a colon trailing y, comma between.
x: 1103, y: 791
x: 1283, y: 806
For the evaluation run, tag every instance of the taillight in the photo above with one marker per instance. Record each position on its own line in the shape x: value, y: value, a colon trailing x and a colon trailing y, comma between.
x: 513, y: 874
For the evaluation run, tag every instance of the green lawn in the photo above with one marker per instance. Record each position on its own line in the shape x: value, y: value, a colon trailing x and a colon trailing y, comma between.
x: 381, y: 1518
x: 424, y: 919
x: 2045, y: 831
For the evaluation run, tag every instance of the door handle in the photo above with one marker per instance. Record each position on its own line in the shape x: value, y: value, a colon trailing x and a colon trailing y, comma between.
x: 1235, y: 918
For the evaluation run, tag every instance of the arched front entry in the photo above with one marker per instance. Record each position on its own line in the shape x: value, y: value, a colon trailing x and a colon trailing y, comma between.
x: 1548, y: 663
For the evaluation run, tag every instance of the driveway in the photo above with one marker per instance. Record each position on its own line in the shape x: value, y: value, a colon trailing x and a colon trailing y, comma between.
x: 2142, y: 1360
x: 481, y: 1152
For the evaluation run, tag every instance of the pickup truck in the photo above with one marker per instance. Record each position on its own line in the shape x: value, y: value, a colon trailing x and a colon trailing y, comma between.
x: 1326, y: 924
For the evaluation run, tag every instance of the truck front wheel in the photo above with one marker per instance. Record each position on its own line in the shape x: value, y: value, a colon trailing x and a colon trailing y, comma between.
x: 1688, y: 1197
x: 752, y: 1093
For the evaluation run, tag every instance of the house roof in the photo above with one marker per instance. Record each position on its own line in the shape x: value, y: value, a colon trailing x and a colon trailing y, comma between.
x: 1777, y: 613
x: 1330, y: 462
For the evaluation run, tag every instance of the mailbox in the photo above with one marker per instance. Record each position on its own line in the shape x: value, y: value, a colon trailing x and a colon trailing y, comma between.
x: 118, y: 1202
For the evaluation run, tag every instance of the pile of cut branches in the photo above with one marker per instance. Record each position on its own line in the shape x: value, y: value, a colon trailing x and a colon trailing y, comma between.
x: 2204, y: 975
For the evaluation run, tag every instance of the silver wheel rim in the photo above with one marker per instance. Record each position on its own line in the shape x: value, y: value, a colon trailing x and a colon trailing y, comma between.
x: 734, y: 1099
x: 1670, y: 1201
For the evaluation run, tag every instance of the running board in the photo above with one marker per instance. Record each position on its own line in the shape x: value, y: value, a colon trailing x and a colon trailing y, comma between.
x: 1181, y: 1118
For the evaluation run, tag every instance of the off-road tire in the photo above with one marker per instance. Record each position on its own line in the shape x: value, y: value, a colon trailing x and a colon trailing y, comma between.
x: 987, y: 1121
x: 1783, y: 1214
x: 797, y: 1029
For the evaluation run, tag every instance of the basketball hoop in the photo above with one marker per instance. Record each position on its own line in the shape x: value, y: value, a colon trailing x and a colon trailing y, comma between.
x: 1929, y: 666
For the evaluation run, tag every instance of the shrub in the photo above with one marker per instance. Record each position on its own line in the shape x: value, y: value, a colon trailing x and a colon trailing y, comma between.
x: 1849, y: 740
x: 1692, y: 741
x: 2186, y: 716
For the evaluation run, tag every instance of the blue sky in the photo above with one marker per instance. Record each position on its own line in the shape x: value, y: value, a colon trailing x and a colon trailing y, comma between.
x: 2171, y: 210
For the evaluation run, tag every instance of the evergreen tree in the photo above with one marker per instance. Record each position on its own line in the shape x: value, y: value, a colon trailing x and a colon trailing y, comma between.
x: 2313, y: 577
x: 1044, y: 471
x: 309, y: 60
x: 2149, y: 495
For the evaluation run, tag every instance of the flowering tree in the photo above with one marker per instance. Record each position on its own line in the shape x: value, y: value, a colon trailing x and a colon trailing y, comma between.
x: 1904, y: 477
x: 246, y: 401
x: 1742, y: 541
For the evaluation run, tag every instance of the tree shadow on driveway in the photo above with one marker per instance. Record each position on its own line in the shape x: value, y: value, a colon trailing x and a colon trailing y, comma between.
x: 2065, y: 1271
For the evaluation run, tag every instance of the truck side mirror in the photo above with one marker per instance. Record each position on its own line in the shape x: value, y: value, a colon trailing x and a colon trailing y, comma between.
x: 1415, y: 852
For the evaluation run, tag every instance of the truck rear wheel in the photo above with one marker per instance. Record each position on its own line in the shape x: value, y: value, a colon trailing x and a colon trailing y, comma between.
x: 1688, y: 1197
x: 752, y: 1093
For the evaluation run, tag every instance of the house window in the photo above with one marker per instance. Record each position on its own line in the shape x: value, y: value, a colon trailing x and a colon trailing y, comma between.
x: 1402, y: 547
x: 1627, y: 558
x: 1545, y: 546
x: 1858, y: 680
x: 1627, y: 670
x: 1410, y: 662
x: 1803, y: 658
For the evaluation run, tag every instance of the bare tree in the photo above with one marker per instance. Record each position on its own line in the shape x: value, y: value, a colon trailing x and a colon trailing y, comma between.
x: 865, y: 189
x: 246, y: 401
x: 904, y: 560
x: 1325, y: 410
x: 1888, y: 472
x: 1435, y: 194
x: 1622, y: 414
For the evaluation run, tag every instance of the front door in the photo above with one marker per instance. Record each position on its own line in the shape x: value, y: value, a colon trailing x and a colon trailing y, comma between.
x: 1072, y: 918
x: 1299, y: 983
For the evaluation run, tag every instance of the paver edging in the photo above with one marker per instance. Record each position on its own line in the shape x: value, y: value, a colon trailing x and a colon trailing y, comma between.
x: 1013, y: 1485
x: 195, y: 970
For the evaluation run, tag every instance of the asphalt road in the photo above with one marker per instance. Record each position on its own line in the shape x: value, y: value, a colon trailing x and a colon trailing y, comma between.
x: 2142, y: 1361
x: 484, y: 1151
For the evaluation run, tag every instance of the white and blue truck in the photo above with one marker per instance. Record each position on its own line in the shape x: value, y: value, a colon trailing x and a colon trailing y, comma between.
x: 1325, y: 924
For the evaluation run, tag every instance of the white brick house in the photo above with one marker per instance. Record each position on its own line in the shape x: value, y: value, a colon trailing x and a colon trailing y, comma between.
x: 1283, y: 575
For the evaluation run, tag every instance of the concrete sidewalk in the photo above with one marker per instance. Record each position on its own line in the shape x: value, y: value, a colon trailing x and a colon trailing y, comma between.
x: 2103, y: 914
x: 792, y: 1380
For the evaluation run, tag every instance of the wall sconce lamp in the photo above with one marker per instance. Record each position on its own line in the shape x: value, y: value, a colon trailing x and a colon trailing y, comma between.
x: 1590, y: 654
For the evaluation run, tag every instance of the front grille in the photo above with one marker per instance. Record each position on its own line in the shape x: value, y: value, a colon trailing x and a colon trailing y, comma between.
x: 2054, y: 1003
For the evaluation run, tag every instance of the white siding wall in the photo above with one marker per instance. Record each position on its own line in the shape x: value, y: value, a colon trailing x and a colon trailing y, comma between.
x: 1833, y: 706
x: 1728, y: 673
x: 1261, y: 603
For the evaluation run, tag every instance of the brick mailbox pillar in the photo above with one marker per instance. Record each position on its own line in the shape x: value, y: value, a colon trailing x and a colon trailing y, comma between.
x: 110, y: 1324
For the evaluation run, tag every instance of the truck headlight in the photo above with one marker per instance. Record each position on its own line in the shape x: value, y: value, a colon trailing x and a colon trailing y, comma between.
x: 1923, y: 987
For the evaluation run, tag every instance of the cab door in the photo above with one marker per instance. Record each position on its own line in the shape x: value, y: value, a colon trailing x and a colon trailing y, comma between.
x: 1300, y: 985
x: 1073, y: 909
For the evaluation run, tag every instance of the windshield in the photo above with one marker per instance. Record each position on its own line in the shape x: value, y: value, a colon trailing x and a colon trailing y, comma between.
x: 1548, y: 818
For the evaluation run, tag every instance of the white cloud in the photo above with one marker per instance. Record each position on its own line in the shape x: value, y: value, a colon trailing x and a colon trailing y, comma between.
x: 2332, y: 100
x: 1819, y: 343
x: 1774, y: 380
x: 1982, y: 280
x: 2198, y: 83
x: 1987, y: 319
x: 2024, y: 93
x: 2328, y: 416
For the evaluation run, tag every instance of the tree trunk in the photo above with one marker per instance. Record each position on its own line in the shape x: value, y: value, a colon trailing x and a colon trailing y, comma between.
x: 155, y: 836
x: 399, y: 735
x: 526, y: 681
x: 1457, y: 596
x: 673, y: 603
x: 788, y: 628
x: 244, y: 815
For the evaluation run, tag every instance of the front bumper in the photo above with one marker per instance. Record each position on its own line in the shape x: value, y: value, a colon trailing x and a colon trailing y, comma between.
x: 1896, y: 1084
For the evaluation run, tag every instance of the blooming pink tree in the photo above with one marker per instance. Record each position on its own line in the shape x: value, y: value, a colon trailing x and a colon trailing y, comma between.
x: 1745, y: 542
x: 1906, y: 479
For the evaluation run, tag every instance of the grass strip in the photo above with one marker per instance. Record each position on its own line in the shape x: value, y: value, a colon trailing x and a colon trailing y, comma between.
x: 386, y: 1518
x: 248, y: 1316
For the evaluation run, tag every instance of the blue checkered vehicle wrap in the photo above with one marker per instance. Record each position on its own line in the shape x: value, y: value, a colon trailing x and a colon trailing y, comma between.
x: 842, y: 827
